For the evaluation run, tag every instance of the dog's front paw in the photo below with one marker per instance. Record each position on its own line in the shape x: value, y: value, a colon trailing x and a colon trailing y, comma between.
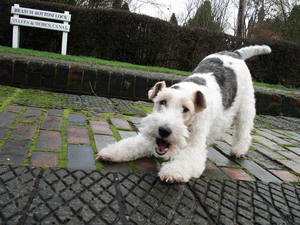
x: 103, y: 157
x: 108, y: 154
x: 171, y: 174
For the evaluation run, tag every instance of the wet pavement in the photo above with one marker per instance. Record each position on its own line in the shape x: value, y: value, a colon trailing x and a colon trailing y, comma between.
x: 48, y: 172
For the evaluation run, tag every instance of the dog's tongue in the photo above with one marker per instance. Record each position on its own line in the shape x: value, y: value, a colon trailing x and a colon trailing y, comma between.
x: 162, y: 146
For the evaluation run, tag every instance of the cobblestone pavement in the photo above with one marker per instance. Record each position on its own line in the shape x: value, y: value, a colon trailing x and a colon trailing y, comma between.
x: 63, y: 132
x: 30, y: 195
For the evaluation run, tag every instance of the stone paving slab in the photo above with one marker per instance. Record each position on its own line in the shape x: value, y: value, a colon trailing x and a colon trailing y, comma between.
x: 81, y: 157
x: 78, y: 135
x: 50, y: 140
x: 7, y: 118
x: 3, y: 131
x: 45, y: 159
x: 52, y: 123
x: 31, y: 114
x: 101, y: 127
x: 120, y: 123
x: 24, y: 131
x: 29, y: 195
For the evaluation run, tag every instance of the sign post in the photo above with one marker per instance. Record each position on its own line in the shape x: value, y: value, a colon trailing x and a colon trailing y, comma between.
x: 16, y: 34
x: 16, y: 21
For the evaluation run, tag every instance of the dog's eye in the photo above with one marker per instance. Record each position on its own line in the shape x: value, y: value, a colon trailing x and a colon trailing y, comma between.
x: 163, y: 102
x: 185, y: 109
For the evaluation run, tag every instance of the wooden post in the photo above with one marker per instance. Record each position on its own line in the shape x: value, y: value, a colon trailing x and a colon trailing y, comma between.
x: 16, y: 32
x: 64, y: 42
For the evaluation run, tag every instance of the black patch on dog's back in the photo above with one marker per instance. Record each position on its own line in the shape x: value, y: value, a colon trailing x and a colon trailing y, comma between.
x: 232, y: 54
x: 175, y: 87
x: 196, y: 80
x: 225, y: 77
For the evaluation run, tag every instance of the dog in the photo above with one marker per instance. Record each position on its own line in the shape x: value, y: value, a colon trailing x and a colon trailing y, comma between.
x: 188, y: 116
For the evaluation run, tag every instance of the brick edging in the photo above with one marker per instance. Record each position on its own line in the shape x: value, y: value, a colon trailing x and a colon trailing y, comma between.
x: 80, y: 78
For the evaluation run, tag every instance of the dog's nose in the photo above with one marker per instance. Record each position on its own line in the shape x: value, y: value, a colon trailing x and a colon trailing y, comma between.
x: 164, y: 131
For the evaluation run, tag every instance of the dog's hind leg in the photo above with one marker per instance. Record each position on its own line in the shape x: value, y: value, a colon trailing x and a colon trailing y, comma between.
x: 127, y: 149
x: 244, y: 123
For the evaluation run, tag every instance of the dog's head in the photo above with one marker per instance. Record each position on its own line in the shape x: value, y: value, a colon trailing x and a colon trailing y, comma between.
x: 173, y: 113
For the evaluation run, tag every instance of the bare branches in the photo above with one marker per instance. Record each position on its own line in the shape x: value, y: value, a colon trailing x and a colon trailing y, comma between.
x: 219, y: 11
x: 191, y: 7
x: 137, y: 5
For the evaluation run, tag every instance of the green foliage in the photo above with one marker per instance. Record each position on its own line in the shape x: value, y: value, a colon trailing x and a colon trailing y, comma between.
x: 261, y: 14
x: 286, y: 27
x: 117, y: 4
x: 292, y: 29
x: 173, y: 19
x: 204, y: 18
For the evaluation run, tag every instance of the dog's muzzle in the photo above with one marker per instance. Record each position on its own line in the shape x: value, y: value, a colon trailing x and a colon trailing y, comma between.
x: 162, y: 145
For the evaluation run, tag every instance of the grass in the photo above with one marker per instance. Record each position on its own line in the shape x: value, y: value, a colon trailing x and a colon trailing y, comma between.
x: 277, y: 86
x: 63, y: 155
x: 85, y: 59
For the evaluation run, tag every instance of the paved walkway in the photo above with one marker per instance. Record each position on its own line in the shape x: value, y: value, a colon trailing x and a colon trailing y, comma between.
x: 63, y: 132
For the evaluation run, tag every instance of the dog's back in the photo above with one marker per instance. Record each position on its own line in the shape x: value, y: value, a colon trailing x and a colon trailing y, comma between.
x: 231, y: 76
x: 230, y: 71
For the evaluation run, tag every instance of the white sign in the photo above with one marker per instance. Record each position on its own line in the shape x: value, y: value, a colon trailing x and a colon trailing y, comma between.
x: 40, y: 13
x: 16, y: 21
x: 40, y: 24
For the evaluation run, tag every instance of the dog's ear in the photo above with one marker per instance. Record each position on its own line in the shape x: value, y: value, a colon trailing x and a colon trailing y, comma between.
x: 199, y: 101
x: 155, y: 89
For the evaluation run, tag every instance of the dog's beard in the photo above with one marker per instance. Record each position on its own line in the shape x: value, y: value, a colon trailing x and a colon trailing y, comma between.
x: 168, y: 147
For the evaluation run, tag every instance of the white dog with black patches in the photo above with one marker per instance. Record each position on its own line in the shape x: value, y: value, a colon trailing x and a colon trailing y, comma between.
x: 190, y: 115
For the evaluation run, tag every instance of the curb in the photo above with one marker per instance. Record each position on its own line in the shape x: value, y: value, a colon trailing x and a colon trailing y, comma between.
x: 86, y: 78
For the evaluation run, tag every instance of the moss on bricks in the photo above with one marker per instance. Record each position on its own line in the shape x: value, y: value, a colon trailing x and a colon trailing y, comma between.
x: 8, y: 100
x: 115, y: 132
x: 34, y: 138
x: 133, y: 167
x: 12, y: 127
x: 98, y: 164
x: 63, y: 155
x: 231, y: 166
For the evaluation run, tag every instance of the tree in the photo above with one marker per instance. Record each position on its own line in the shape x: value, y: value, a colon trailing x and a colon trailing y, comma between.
x: 173, y: 19
x: 125, y: 6
x: 241, y: 19
x: 273, y: 19
x: 219, y: 11
x: 292, y: 29
x: 204, y: 18
x: 93, y: 4
x: 266, y: 18
x: 68, y: 2
x: 117, y: 4
x: 136, y: 5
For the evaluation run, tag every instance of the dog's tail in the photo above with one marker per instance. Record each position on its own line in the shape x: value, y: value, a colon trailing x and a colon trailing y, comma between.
x: 250, y: 51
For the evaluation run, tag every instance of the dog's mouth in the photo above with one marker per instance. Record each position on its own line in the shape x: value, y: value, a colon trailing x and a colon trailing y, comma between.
x: 162, y: 146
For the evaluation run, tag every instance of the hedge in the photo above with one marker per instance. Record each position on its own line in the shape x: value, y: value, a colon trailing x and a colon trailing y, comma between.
x: 139, y: 39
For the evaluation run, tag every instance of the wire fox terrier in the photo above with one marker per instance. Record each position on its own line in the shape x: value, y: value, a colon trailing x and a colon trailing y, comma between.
x: 190, y: 115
